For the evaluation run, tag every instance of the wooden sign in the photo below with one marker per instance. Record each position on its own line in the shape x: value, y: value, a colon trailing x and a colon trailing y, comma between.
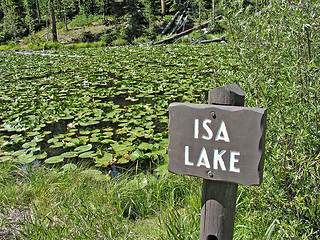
x: 216, y: 142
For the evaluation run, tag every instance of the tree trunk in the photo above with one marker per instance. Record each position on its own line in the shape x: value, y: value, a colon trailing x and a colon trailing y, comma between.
x: 213, y: 21
x: 38, y: 11
x: 163, y: 7
x: 65, y: 18
x: 104, y: 10
x: 53, y: 23
x: 199, y: 12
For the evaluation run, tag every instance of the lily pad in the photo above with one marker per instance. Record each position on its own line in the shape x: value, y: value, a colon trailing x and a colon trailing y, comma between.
x: 26, y: 158
x: 5, y: 158
x: 107, y: 134
x: 57, y: 145
x: 18, y: 153
x: 136, y: 155
x: 70, y: 154
x: 55, y: 159
x: 145, y: 146
x: 32, y: 134
x: 105, y: 160
x: 83, y: 148
x: 123, y: 160
x: 41, y: 156
x: 29, y: 144
x: 84, y: 132
x: 90, y: 154
x: 106, y: 141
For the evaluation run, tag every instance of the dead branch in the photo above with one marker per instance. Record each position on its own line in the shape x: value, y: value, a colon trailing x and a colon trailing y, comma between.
x: 220, y: 39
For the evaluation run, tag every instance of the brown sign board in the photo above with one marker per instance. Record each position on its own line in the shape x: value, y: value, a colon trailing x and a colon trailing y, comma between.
x: 216, y: 142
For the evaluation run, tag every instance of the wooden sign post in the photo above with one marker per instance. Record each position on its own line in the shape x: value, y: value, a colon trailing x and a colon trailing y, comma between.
x: 223, y: 143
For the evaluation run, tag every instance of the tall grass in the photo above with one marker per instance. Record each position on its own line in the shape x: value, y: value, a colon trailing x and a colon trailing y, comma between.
x: 79, y: 204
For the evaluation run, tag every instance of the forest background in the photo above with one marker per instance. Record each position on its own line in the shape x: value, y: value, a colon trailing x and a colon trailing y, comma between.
x: 130, y: 19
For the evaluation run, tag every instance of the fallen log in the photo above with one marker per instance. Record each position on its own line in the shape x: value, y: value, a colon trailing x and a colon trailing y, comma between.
x: 183, y: 24
x: 44, y: 34
x: 178, y: 24
x: 220, y: 39
x: 170, y: 23
x: 198, y: 39
x: 171, y: 39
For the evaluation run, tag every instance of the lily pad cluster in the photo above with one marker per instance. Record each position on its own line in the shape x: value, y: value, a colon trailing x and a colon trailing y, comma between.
x: 107, y: 106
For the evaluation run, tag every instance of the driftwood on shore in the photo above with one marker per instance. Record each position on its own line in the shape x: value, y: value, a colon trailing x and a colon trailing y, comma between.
x: 200, y: 39
x: 170, y: 23
x: 220, y: 39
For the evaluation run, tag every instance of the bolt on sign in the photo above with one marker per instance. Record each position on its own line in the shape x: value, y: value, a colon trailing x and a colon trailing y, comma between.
x: 216, y: 142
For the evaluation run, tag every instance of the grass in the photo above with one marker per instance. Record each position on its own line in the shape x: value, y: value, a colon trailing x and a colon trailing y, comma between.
x: 57, y: 204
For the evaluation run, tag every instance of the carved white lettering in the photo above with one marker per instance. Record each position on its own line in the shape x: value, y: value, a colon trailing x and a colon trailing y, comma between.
x: 234, y: 160
x: 222, y: 133
x: 217, y: 159
x: 186, y: 156
x: 208, y: 130
x: 203, y: 159
x: 196, y: 128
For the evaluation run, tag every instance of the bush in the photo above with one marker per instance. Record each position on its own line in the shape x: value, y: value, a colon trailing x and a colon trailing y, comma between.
x: 142, y: 39
x: 120, y: 42
x: 52, y: 45
x: 83, y: 19
x: 151, y: 33
x: 121, y: 33
x: 86, y: 36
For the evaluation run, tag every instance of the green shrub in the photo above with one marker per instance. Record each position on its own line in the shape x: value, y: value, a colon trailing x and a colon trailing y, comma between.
x: 142, y: 39
x: 52, y: 45
x: 151, y: 33
x: 5, y: 47
x: 120, y: 42
x: 60, y: 25
x: 86, y: 36
x: 83, y: 19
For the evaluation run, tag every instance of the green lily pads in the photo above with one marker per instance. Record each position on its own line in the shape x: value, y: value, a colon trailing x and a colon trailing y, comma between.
x: 118, y: 148
x: 105, y: 160
x: 70, y: 154
x: 67, y: 118
x: 29, y: 144
x: 32, y: 134
x: 123, y: 160
x: 57, y: 145
x: 145, y: 146
x: 26, y: 158
x: 94, y: 139
x: 53, y: 140
x: 107, y: 141
x: 90, y: 154
x: 83, y: 148
x: 136, y: 155
x: 89, y: 123
x: 107, y: 134
x: 55, y: 159
x: 84, y: 132
x: 5, y: 158
x: 18, y: 153
x: 41, y: 156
